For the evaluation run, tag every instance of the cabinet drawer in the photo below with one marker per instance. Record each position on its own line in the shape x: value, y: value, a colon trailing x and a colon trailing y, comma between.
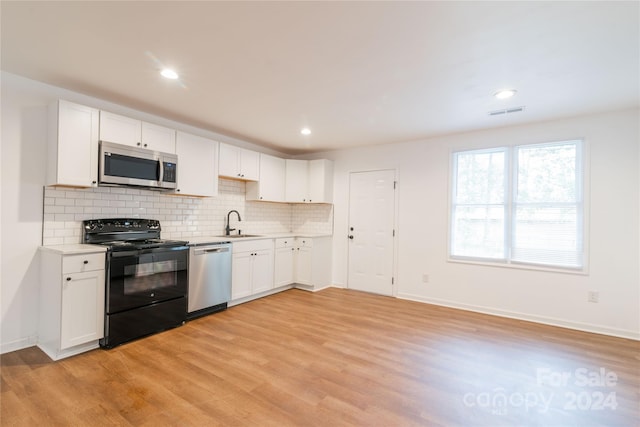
x: 83, y: 262
x: 252, y: 245
x: 287, y: 242
x: 304, y: 242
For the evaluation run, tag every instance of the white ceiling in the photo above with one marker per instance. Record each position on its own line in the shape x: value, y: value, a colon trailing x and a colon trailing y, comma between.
x: 356, y: 73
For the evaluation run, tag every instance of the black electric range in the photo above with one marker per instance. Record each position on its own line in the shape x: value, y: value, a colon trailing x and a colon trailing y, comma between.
x: 146, y: 277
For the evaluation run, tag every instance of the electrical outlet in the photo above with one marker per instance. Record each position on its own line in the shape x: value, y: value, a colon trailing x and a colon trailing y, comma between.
x: 593, y: 296
x: 425, y: 278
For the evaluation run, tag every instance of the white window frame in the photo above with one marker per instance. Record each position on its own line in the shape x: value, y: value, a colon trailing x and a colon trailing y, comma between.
x: 509, y: 223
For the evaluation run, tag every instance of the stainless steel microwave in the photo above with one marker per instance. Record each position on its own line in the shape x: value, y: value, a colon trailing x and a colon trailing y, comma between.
x: 125, y: 165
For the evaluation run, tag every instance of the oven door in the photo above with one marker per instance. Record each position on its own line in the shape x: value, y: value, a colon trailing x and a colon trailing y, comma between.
x: 144, y: 277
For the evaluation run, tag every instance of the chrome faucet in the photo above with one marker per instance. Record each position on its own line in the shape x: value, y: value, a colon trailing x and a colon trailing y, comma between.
x: 228, y: 229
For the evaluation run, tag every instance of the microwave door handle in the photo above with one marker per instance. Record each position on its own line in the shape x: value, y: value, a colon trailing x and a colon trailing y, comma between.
x: 160, y: 173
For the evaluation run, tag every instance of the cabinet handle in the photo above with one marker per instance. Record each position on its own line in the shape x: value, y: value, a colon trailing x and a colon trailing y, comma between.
x: 68, y: 279
x: 177, y: 190
x: 351, y: 237
x: 85, y: 262
x: 138, y: 144
x: 94, y: 182
x: 145, y: 145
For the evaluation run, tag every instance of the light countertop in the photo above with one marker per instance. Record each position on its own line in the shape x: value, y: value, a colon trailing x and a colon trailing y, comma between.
x: 81, y: 248
x: 74, y: 249
x: 217, y: 239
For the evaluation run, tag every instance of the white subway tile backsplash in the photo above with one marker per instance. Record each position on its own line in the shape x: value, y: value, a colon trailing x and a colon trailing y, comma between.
x: 180, y: 217
x: 65, y: 201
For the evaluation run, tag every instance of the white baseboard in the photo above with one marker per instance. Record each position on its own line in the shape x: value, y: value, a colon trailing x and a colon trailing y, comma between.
x: 18, y: 344
x: 310, y: 288
x: 563, y: 323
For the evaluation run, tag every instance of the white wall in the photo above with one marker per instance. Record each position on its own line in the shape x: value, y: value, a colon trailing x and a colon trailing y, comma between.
x: 556, y: 298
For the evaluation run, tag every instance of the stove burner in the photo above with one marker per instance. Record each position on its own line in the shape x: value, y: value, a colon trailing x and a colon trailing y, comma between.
x: 120, y: 234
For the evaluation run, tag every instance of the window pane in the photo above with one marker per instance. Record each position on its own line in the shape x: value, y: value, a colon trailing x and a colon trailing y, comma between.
x: 547, y: 173
x: 537, y: 220
x: 478, y: 231
x: 480, y: 177
x: 547, y: 235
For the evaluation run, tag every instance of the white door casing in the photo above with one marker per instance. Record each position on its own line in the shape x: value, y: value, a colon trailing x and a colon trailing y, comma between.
x: 371, y: 231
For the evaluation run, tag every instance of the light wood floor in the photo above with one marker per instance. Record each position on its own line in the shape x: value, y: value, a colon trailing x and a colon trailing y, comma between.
x: 334, y: 358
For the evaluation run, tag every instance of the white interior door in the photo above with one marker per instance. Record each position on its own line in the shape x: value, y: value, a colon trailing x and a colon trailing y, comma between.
x: 371, y: 231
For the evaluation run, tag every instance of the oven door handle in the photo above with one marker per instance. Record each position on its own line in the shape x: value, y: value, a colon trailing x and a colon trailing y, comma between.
x: 136, y: 252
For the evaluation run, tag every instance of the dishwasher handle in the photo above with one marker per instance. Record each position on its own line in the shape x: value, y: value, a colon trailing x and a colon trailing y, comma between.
x: 201, y: 251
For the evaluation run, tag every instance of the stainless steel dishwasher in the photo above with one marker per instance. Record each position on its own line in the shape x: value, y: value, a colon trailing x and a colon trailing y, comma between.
x: 209, y: 278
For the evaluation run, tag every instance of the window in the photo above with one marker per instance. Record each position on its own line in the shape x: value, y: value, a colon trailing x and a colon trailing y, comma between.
x: 519, y: 205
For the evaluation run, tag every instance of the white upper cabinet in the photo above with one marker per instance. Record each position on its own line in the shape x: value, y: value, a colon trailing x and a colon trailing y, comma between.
x: 238, y: 163
x: 198, y: 165
x: 128, y: 131
x: 297, y: 181
x: 271, y: 184
x: 158, y: 138
x: 321, y: 181
x: 73, y: 145
x: 309, y: 181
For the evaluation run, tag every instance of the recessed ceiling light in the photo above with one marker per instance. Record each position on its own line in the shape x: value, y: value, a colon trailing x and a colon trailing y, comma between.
x: 505, y: 93
x: 169, y: 74
x: 305, y: 131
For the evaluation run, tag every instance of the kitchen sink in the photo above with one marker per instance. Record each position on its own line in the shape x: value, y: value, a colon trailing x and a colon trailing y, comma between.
x: 235, y: 236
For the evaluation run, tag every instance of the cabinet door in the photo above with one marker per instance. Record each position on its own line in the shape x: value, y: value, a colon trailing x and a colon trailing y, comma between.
x: 120, y: 129
x: 272, y: 178
x: 303, y: 265
x: 321, y: 181
x: 249, y: 164
x: 158, y: 138
x: 229, y: 161
x: 283, y: 266
x: 241, y: 275
x: 262, y: 274
x: 76, y: 139
x: 82, y: 317
x: 297, y: 181
x: 198, y: 166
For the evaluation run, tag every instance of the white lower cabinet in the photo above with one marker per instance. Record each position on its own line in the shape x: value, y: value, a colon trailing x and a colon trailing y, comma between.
x: 284, y: 261
x: 313, y: 267
x: 252, y: 268
x: 71, y: 302
x: 304, y: 261
x: 303, y: 266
